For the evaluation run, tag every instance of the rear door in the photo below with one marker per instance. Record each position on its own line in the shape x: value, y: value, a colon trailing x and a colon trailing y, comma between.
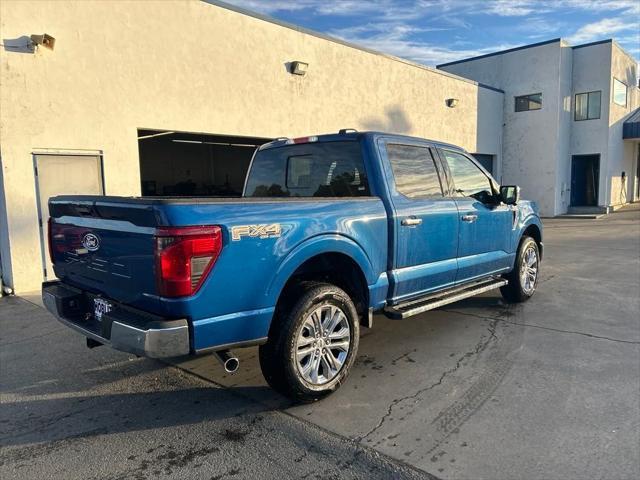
x: 425, y: 223
x: 484, y: 240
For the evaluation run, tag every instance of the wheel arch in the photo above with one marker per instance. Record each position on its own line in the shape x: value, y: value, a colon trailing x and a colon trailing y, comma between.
x: 331, y: 259
x: 534, y: 231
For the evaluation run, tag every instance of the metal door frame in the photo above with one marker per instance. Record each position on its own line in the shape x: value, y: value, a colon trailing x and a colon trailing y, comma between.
x: 596, y: 183
x: 43, y: 152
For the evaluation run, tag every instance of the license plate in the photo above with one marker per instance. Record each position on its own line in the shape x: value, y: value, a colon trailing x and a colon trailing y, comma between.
x: 100, y: 307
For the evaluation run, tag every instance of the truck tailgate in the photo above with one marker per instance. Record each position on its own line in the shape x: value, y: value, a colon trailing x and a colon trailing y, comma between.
x: 105, y: 246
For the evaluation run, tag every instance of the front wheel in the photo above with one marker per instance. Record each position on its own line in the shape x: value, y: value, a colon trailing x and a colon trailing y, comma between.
x: 523, y: 279
x: 312, y: 343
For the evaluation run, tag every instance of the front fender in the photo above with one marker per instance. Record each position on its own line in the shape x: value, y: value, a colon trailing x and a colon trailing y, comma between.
x: 530, y: 218
x: 312, y: 247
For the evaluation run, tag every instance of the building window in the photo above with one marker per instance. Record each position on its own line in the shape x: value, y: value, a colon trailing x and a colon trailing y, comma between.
x: 532, y: 101
x: 619, y: 93
x: 587, y: 106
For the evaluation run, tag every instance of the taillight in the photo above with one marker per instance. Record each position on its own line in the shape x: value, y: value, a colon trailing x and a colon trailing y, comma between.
x: 50, y: 238
x: 184, y: 258
x: 57, y: 239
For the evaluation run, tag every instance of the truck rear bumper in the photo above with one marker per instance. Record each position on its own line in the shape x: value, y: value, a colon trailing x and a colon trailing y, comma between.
x: 123, y: 328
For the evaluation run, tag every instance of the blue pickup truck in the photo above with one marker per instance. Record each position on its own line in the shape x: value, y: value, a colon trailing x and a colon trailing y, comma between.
x: 329, y: 230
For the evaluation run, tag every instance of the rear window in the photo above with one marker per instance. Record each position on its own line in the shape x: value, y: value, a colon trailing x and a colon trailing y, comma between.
x: 328, y: 169
x: 414, y: 171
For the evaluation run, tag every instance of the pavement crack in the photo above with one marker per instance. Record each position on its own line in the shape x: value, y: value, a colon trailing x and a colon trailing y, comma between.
x: 479, y: 347
x: 574, y: 332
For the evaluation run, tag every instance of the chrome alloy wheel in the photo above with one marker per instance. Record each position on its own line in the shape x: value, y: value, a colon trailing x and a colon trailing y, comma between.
x: 322, y: 344
x: 529, y: 270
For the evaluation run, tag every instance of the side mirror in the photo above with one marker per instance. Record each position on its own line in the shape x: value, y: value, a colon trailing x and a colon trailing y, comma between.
x: 510, y: 194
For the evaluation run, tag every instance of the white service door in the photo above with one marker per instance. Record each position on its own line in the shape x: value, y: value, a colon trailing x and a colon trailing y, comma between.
x: 63, y: 175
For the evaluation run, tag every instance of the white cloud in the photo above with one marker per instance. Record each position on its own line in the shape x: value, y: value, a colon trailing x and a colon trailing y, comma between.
x: 398, y: 27
x: 396, y: 40
x: 630, y: 6
x: 272, y: 6
x: 344, y: 8
x: 602, y: 29
x: 512, y: 8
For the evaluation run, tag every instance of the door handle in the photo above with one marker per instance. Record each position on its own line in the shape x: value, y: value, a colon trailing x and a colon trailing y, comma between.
x: 469, y: 218
x: 411, y: 222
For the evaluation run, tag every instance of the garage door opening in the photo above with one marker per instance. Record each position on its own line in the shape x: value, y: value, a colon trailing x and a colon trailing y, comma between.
x: 185, y: 164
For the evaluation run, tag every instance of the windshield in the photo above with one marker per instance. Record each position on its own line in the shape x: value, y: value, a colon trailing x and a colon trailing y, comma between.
x: 325, y: 169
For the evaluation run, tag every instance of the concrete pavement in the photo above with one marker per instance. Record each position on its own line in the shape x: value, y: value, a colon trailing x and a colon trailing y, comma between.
x: 72, y: 413
x: 545, y: 390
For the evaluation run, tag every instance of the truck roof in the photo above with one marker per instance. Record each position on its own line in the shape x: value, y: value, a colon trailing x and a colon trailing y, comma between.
x: 353, y: 134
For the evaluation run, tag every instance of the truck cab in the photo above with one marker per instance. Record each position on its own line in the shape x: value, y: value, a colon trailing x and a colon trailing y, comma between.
x: 330, y: 229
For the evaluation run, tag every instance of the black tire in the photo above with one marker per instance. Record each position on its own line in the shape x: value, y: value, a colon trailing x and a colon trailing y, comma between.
x: 278, y: 356
x: 518, y: 291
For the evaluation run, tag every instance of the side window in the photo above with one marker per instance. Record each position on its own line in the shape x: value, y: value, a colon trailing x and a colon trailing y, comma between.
x: 414, y: 171
x: 468, y: 179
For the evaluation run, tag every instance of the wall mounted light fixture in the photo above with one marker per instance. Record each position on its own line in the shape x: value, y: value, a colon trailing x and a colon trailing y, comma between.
x: 299, y: 68
x: 452, y: 102
x: 45, y: 40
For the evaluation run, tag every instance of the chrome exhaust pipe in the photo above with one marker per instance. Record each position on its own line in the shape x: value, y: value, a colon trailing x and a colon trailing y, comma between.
x: 229, y: 361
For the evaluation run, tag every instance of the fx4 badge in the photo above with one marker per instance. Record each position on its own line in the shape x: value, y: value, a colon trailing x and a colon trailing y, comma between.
x: 252, y: 231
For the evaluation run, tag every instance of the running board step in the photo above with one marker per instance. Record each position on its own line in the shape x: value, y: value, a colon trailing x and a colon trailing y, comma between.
x: 435, y: 300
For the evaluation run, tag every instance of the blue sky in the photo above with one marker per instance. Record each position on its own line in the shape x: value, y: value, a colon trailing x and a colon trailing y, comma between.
x: 438, y: 31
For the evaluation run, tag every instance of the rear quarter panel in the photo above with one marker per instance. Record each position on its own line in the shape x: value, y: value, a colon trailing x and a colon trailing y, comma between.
x: 237, y: 300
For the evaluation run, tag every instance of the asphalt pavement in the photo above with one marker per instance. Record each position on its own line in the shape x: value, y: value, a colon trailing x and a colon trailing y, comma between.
x: 549, y: 389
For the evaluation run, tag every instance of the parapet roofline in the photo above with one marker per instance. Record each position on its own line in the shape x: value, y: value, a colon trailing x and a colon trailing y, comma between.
x: 313, y: 33
x: 539, y: 44
x: 501, y: 52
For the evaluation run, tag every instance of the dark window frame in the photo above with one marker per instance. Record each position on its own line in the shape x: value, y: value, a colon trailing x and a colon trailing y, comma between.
x: 575, y: 108
x: 443, y: 191
x: 527, y: 96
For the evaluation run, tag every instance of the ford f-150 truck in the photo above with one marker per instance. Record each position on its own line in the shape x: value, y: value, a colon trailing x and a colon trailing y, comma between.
x: 329, y: 229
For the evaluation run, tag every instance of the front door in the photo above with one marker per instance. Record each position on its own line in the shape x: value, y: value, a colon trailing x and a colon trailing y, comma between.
x: 585, y: 176
x: 63, y: 175
x: 485, y: 225
x: 425, y: 223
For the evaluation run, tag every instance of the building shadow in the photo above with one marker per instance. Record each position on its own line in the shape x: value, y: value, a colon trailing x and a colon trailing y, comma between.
x: 395, y: 120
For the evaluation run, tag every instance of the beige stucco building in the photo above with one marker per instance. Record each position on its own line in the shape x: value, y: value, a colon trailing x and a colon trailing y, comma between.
x: 170, y: 97
x: 123, y: 70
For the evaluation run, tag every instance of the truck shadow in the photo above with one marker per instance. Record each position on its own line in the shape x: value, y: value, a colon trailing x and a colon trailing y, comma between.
x: 64, y: 418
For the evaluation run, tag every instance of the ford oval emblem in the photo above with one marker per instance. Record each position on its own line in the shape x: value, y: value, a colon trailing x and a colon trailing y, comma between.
x: 91, y: 242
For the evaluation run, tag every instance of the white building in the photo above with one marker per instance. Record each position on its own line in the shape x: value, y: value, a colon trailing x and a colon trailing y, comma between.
x: 564, y: 110
x: 171, y: 98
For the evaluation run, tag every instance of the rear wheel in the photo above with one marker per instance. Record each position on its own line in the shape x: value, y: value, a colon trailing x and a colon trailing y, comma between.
x: 523, y: 279
x: 312, y: 343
